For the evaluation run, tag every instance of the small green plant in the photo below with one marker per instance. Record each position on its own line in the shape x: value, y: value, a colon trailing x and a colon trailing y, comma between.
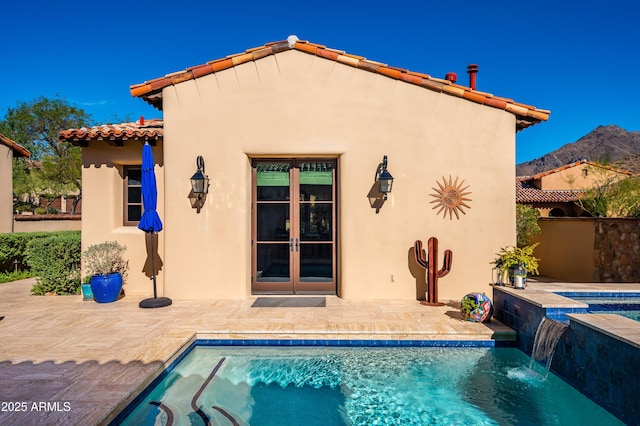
x: 6, y: 277
x: 510, y: 257
x: 468, y: 305
x: 105, y: 258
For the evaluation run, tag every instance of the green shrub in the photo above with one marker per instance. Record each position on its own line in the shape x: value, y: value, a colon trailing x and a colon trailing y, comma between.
x: 23, y: 207
x: 55, y: 260
x: 13, y: 247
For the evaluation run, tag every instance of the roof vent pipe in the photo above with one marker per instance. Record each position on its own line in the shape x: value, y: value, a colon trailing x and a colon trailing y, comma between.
x: 472, y: 70
x: 141, y: 120
x: 451, y: 76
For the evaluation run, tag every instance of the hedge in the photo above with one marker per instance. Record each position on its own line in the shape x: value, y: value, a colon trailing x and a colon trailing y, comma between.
x: 13, y: 247
x: 55, y: 260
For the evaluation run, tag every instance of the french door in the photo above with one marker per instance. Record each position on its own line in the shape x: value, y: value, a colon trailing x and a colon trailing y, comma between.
x: 294, y: 235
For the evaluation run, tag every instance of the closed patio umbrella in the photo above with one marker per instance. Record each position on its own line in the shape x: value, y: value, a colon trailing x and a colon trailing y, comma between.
x: 150, y: 221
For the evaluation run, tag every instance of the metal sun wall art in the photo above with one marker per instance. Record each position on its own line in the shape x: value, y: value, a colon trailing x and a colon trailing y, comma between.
x: 450, y: 198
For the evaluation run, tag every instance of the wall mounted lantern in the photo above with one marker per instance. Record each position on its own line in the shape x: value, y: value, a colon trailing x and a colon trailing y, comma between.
x: 199, y: 180
x: 199, y: 186
x: 384, y: 178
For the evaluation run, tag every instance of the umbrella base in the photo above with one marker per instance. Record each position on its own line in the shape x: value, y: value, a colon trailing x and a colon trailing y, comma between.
x: 155, y: 302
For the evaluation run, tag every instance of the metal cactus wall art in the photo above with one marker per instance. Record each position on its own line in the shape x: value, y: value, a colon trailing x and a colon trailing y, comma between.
x: 430, y: 264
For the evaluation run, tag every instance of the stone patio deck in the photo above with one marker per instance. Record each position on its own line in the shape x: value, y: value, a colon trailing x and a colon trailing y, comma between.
x: 68, y: 361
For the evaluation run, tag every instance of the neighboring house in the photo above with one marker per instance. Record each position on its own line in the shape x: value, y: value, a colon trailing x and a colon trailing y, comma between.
x: 8, y: 150
x: 63, y: 203
x: 292, y: 136
x: 555, y: 193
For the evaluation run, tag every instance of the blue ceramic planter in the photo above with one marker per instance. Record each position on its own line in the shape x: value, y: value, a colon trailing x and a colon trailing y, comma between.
x: 106, y: 288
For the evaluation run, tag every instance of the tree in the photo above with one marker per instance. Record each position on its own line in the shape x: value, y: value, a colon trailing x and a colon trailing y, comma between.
x: 526, y: 224
x: 612, y: 195
x: 35, y: 125
x: 615, y: 199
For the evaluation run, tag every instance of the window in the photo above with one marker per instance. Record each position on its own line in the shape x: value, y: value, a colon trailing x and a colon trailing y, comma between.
x: 132, y: 195
x: 556, y: 212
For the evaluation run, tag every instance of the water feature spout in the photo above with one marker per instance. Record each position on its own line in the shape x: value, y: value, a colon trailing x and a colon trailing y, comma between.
x: 545, y: 342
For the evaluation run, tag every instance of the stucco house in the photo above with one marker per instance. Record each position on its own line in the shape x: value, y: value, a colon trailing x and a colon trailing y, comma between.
x: 555, y: 193
x: 8, y: 150
x: 294, y: 138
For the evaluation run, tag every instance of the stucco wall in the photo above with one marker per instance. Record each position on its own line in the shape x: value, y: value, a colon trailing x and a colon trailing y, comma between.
x: 566, y: 249
x: 102, y: 210
x: 589, y: 249
x: 296, y: 105
x: 46, y: 223
x: 583, y: 176
x: 6, y: 189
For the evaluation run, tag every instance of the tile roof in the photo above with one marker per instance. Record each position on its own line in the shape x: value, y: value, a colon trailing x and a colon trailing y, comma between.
x: 18, y: 150
x: 115, y: 134
x: 526, y: 192
x: 151, y: 91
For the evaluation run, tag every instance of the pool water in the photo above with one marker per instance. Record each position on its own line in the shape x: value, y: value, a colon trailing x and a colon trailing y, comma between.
x: 254, y: 385
x: 621, y: 305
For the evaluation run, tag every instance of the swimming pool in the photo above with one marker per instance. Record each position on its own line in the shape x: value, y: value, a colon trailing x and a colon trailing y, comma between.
x: 359, y: 386
x: 625, y: 304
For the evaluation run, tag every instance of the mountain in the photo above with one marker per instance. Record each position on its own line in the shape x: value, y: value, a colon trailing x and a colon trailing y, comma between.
x: 609, y: 144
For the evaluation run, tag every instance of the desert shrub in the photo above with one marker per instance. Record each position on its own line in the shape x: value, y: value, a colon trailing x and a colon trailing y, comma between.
x: 105, y: 258
x: 55, y: 260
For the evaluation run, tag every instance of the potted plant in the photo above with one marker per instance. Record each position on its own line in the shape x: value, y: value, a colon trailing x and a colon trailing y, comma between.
x: 108, y: 269
x: 511, y: 258
x: 86, y: 288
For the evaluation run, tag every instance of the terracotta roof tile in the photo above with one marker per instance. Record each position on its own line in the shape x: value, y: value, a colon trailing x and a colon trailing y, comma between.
x: 330, y: 54
x: 144, y: 130
x: 220, y: 65
x: 411, y: 78
x: 349, y: 60
x: 526, y: 115
x: 369, y: 66
x: 432, y: 85
x: 526, y: 192
x: 475, y: 97
x: 261, y: 53
x: 18, y: 150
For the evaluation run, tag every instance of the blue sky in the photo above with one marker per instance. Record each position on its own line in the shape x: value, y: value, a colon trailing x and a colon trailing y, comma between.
x: 579, y: 59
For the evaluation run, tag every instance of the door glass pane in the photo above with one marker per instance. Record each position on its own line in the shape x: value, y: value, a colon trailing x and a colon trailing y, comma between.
x: 273, y: 222
x: 315, y: 222
x: 272, y: 181
x: 315, y: 262
x: 273, y: 262
x: 316, y: 181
